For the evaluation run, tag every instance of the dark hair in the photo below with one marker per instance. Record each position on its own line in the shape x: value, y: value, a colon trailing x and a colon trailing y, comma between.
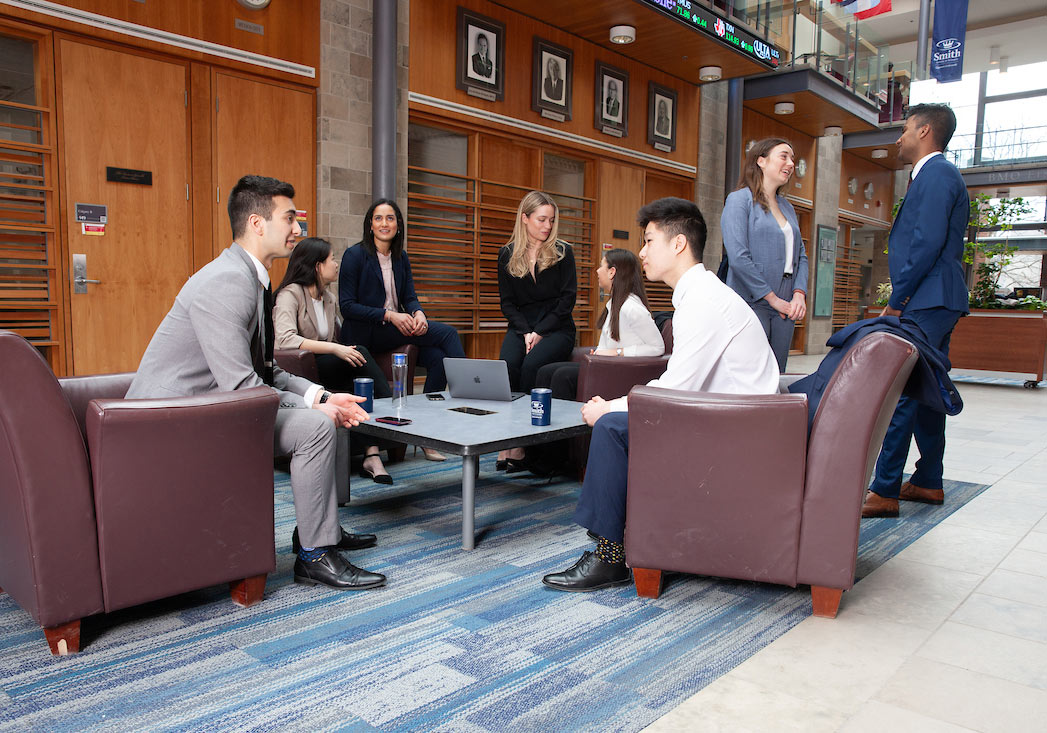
x: 301, y: 267
x: 628, y: 280
x: 398, y: 241
x: 940, y: 117
x: 677, y: 216
x: 254, y: 195
x: 752, y: 174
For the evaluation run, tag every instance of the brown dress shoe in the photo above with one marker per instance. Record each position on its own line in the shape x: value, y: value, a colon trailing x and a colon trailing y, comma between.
x: 911, y: 492
x: 879, y: 506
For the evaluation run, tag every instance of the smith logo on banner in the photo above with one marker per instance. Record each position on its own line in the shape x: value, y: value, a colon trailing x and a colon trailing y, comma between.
x: 950, y: 26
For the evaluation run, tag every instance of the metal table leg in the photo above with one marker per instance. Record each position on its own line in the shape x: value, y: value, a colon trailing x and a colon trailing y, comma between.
x: 470, y: 467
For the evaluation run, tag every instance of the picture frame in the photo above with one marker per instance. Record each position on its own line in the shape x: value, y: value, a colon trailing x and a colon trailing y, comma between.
x: 480, y: 67
x: 552, y: 77
x: 611, y: 96
x: 661, y: 117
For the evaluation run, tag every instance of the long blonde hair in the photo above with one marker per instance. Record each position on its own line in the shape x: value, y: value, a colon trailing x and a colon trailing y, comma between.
x: 552, y: 250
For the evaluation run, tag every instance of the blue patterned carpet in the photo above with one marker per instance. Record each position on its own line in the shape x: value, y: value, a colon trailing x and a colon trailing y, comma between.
x: 457, y: 641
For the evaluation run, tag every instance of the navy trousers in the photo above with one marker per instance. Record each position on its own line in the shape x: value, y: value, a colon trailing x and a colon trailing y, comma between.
x: 911, y: 419
x: 601, y: 507
x: 439, y: 341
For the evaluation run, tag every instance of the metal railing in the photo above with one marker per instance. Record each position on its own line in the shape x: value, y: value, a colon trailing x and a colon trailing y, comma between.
x: 999, y: 147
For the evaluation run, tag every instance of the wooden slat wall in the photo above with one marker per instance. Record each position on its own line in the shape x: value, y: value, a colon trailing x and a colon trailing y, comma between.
x: 458, y: 223
x: 848, y: 281
x: 30, y: 296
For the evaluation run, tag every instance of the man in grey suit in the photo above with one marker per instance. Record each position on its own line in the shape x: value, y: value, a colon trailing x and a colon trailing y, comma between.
x: 218, y: 336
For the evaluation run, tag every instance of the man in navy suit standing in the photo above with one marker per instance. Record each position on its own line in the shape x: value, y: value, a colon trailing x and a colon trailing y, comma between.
x: 924, y: 255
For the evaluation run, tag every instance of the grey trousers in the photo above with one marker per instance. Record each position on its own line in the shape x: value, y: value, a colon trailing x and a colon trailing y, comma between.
x: 311, y: 439
x: 779, y: 330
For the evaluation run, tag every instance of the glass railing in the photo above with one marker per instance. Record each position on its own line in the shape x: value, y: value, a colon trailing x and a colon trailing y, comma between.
x: 999, y: 146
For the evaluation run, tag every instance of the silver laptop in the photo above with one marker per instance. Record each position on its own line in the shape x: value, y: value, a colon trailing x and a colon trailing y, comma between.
x: 479, y: 379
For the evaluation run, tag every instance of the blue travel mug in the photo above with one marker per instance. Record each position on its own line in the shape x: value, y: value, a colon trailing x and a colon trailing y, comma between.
x: 541, y: 406
x: 364, y: 387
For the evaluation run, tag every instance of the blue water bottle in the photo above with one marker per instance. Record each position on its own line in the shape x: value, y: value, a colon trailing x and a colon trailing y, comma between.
x: 399, y: 380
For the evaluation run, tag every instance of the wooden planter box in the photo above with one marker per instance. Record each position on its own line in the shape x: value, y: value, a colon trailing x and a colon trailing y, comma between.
x: 999, y: 341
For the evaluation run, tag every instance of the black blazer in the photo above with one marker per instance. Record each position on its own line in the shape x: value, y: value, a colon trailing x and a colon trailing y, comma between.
x: 542, y: 305
x: 361, y: 293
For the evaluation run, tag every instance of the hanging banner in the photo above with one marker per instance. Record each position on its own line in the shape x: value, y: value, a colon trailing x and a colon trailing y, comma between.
x: 950, y: 26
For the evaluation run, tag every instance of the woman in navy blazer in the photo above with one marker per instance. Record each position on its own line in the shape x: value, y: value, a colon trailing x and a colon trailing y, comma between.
x: 768, y: 262
x: 376, y: 295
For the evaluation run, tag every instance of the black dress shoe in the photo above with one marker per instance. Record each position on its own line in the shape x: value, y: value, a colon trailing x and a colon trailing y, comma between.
x: 334, y: 571
x: 349, y: 541
x: 516, y: 465
x: 501, y: 465
x: 378, y: 478
x: 589, y: 573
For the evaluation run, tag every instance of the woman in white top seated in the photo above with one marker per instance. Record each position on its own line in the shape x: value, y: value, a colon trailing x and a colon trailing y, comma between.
x: 766, y: 257
x: 305, y: 317
x: 626, y: 329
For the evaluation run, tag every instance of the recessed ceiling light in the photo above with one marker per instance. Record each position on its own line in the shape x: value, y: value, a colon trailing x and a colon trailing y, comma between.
x: 623, y: 34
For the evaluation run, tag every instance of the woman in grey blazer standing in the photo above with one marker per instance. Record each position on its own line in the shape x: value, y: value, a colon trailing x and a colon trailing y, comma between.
x: 768, y: 262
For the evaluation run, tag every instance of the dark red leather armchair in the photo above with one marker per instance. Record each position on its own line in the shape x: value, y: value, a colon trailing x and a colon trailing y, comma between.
x: 107, y: 503
x: 611, y: 377
x: 731, y: 486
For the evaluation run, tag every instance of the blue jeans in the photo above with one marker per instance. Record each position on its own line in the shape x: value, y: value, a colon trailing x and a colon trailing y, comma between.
x: 911, y: 419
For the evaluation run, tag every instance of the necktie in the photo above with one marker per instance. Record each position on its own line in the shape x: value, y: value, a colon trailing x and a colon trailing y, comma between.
x: 269, y: 336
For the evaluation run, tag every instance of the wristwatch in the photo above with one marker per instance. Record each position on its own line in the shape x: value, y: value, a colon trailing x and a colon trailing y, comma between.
x: 324, y: 397
x: 619, y: 351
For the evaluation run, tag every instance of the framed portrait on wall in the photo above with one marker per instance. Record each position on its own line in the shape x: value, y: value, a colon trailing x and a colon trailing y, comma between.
x: 551, y: 80
x: 661, y: 117
x: 612, y: 100
x: 480, y: 68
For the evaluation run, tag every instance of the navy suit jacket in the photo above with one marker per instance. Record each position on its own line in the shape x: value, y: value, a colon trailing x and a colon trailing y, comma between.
x: 361, y: 293
x: 925, y: 249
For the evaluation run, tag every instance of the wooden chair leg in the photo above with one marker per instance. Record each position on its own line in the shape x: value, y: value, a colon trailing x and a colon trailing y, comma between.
x: 826, y: 600
x: 64, y: 639
x: 648, y: 582
x: 248, y: 591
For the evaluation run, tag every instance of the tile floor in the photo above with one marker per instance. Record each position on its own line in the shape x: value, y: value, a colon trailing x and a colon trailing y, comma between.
x: 949, y: 635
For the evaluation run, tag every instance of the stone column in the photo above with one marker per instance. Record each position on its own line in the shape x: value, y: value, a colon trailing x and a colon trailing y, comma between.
x: 344, y: 147
x: 826, y: 213
x: 709, y: 188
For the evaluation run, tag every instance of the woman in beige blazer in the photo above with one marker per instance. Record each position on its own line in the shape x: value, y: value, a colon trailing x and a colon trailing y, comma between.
x: 305, y: 317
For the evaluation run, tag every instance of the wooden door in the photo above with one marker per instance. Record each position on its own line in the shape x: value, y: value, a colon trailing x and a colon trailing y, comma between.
x: 125, y: 111
x: 268, y: 130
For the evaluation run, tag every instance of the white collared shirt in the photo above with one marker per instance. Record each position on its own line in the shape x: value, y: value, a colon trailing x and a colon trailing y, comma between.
x: 919, y: 164
x: 637, y: 333
x: 718, y: 343
x: 263, y: 277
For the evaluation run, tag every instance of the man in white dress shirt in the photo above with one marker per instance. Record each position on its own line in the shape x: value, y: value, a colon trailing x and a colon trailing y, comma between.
x: 718, y: 346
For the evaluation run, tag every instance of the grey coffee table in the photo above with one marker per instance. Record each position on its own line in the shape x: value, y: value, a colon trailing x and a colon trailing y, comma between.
x: 435, y: 425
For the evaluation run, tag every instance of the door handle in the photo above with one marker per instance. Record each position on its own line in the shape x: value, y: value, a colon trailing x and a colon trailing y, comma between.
x: 80, y: 280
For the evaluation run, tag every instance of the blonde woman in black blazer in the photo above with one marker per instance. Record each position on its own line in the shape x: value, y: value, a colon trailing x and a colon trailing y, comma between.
x: 305, y: 317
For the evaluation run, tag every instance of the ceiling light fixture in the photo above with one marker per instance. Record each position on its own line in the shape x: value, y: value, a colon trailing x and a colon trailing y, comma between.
x: 879, y: 153
x: 623, y: 34
x: 1003, y: 64
x: 833, y: 130
x: 994, y: 55
x: 710, y: 73
x: 784, y: 108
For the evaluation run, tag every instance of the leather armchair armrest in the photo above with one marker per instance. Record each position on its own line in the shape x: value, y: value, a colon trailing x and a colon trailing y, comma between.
x: 716, y: 483
x: 613, y: 376
x: 580, y: 352
x: 81, y: 390
x: 183, y: 491
x: 299, y: 362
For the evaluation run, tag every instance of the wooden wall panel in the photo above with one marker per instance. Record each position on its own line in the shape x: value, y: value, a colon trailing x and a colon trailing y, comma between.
x: 756, y: 127
x: 433, y: 39
x: 291, y: 29
x: 882, y: 179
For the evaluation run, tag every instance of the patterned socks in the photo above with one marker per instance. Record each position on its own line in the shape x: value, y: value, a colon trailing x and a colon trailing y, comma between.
x: 312, y: 554
x: 613, y: 552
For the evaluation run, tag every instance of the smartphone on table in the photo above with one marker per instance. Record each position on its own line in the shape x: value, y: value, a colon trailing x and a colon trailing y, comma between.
x: 389, y: 420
